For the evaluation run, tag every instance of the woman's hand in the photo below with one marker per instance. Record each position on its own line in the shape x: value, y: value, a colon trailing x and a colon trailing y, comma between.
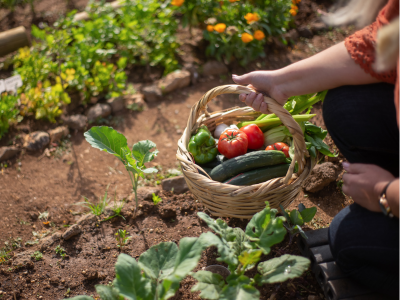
x: 262, y: 82
x: 364, y: 183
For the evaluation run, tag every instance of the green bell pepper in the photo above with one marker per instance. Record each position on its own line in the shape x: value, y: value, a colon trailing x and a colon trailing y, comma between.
x: 202, y: 146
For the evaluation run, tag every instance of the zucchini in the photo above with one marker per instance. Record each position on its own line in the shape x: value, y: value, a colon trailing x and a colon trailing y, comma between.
x: 247, y: 162
x: 207, y: 170
x: 259, y: 175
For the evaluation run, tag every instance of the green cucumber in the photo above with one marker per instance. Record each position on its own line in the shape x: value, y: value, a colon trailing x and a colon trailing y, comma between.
x: 259, y: 175
x: 247, y: 162
x: 216, y: 162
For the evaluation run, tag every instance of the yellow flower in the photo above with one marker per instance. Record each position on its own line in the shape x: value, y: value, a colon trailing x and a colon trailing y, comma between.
x: 247, y: 38
x: 210, y: 28
x: 177, y: 2
x: 251, y: 18
x: 259, y: 35
x: 220, y: 27
x: 293, y: 12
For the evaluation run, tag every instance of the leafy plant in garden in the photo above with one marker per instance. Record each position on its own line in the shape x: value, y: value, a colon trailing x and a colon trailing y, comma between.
x: 60, y: 251
x: 37, y: 255
x: 157, y: 273
x: 296, y: 218
x: 156, y: 199
x: 8, y: 112
x: 109, y: 140
x: 242, y: 250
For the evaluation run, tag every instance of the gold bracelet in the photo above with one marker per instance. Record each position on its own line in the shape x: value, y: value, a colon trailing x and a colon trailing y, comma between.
x: 383, y: 203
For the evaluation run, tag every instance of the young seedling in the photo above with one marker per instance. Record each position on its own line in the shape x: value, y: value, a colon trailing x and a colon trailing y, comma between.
x: 122, y: 238
x: 296, y: 218
x: 109, y: 140
x: 43, y: 216
x: 96, y: 208
x: 60, y: 251
x: 156, y: 199
x: 37, y: 255
x: 117, y: 208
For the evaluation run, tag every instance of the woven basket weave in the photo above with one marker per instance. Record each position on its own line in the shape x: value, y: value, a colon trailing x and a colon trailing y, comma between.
x: 226, y: 200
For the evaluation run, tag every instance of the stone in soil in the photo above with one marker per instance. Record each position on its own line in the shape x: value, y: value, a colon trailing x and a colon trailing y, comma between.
x: 36, y: 141
x: 306, y: 32
x: 321, y: 176
x: 214, y: 67
x: 58, y: 133
x: 48, y: 241
x: 135, y: 102
x: 176, y: 184
x: 100, y: 110
x: 152, y: 93
x: 117, y: 104
x: 90, y: 274
x: 175, y: 80
x: 77, y: 122
x: 8, y: 152
x: 72, y: 231
x: 87, y: 219
x: 146, y: 193
x: 194, y: 74
x: 23, y: 259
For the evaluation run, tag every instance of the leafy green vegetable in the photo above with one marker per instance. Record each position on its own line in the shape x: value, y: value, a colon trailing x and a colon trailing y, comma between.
x: 209, y: 284
x: 297, y: 218
x: 315, y: 136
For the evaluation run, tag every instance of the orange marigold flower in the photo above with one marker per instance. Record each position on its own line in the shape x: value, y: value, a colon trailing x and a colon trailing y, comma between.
x: 247, y: 38
x: 233, y: 1
x: 259, y: 35
x: 294, y: 7
x: 251, y: 18
x: 220, y: 27
x: 210, y: 28
x: 293, y: 12
x: 177, y: 2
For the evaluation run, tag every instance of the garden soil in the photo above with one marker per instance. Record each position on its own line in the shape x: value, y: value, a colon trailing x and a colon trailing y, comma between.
x: 34, y: 183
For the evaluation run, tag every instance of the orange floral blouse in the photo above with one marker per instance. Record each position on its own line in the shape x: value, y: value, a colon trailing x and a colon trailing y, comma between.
x: 361, y: 46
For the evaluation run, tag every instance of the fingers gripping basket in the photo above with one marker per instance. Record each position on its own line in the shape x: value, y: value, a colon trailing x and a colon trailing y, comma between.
x: 227, y: 200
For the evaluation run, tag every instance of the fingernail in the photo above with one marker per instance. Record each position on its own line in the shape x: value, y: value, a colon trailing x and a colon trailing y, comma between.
x: 234, y: 76
x: 346, y: 165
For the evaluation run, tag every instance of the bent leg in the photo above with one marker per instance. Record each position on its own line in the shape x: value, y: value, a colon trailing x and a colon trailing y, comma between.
x: 362, y: 122
x: 365, y: 245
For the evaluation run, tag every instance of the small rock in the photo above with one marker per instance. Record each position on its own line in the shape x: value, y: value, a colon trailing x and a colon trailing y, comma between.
x: 177, y: 184
x: 318, y: 26
x: 8, y: 152
x: 214, y: 67
x: 90, y: 274
x: 175, y: 80
x: 306, y: 32
x: 87, y: 219
x: 116, y: 103
x: 54, y: 280
x: 36, y: 141
x: 167, y: 211
x: 23, y: 259
x: 100, y: 110
x: 77, y: 122
x: 146, y: 193
x: 152, y: 93
x: 57, y: 133
x: 321, y: 176
x: 72, y: 231
x: 48, y: 241
x: 135, y: 102
x: 34, y: 216
x: 291, y: 36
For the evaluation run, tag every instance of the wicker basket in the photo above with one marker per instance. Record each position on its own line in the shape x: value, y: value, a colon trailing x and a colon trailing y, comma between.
x: 227, y: 200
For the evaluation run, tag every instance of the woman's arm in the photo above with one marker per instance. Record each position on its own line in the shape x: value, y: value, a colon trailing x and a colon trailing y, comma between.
x: 328, y: 69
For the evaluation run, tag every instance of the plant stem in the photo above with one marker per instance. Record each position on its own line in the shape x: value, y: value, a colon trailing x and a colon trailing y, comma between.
x: 134, y: 186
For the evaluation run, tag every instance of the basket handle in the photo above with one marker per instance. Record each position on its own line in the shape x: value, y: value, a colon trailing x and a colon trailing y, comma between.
x: 300, y: 148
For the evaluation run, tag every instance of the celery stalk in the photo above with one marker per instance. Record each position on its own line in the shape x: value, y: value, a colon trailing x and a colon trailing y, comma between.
x: 275, y: 121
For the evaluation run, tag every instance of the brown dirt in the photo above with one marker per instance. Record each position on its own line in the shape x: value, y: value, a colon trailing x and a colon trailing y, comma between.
x: 32, y: 184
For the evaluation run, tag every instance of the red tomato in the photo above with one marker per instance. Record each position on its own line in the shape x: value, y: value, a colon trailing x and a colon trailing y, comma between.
x: 232, y: 143
x: 280, y: 147
x: 254, y: 135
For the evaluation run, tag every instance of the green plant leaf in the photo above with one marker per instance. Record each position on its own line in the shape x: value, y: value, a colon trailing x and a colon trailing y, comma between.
x: 168, y: 288
x: 219, y: 226
x: 107, y: 139
x: 249, y: 258
x: 141, y: 152
x: 285, y: 214
x: 308, y: 214
x: 108, y: 293
x: 239, y: 288
x: 129, y: 280
x: 301, y: 207
x: 301, y: 231
x: 210, y: 284
x: 296, y: 218
x: 282, y: 268
x: 80, y: 297
x: 158, y: 262
x: 265, y: 229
